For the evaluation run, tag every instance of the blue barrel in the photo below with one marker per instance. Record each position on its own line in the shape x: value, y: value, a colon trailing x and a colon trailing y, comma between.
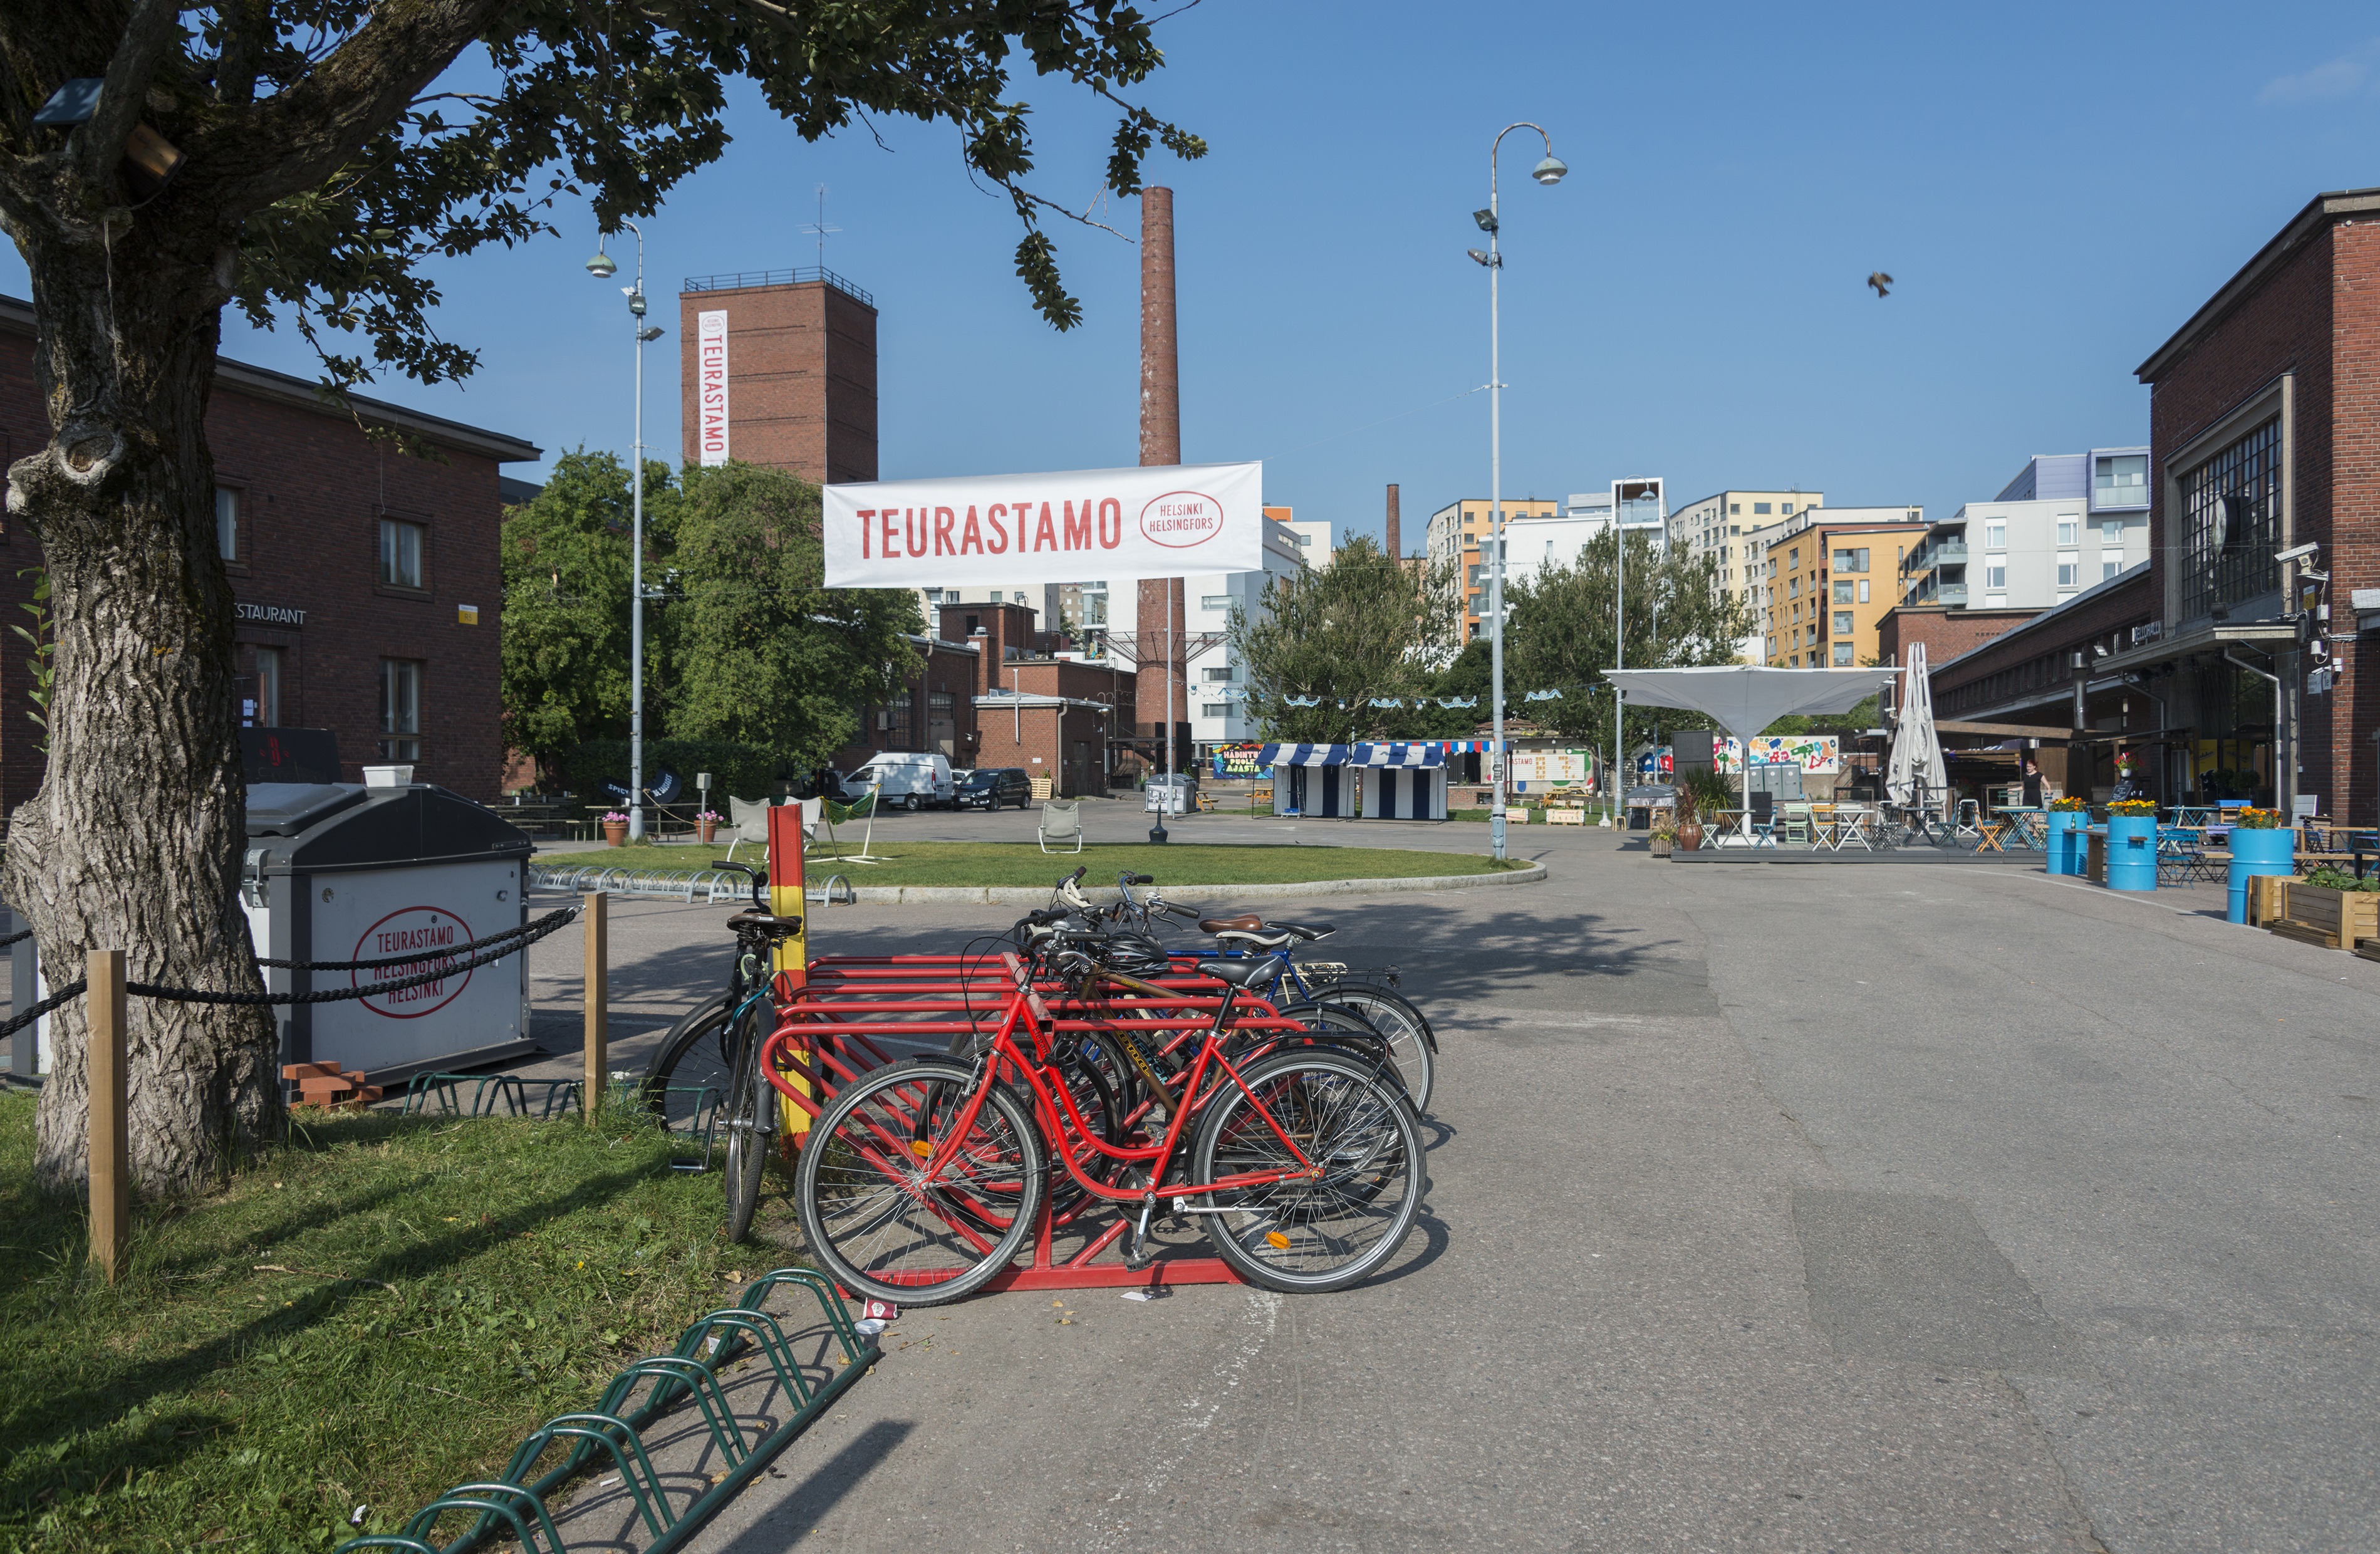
x: 2132, y: 851
x: 2254, y: 852
x: 2066, y: 840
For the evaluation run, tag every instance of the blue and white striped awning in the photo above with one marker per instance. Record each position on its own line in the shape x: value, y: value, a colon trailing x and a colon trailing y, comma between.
x: 1398, y: 753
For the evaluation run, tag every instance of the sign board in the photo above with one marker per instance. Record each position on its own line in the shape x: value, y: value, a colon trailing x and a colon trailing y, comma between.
x: 1162, y: 521
x: 1551, y: 766
x: 385, y: 913
x: 710, y: 385
x: 1238, y: 760
x: 1818, y: 754
x: 289, y: 754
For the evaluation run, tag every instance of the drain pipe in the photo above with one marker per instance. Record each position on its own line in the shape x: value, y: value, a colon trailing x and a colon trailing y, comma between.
x: 2284, y: 759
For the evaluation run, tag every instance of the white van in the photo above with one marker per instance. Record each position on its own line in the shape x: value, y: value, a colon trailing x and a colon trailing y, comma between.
x: 905, y: 780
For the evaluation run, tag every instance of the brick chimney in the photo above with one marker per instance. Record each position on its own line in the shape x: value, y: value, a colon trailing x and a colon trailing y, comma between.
x: 1162, y: 607
x: 1395, y: 549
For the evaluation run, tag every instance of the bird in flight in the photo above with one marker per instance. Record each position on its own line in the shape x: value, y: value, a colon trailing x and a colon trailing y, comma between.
x: 1882, y: 282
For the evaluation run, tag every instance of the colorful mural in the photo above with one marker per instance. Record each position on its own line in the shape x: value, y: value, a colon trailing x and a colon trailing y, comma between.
x: 1816, y: 754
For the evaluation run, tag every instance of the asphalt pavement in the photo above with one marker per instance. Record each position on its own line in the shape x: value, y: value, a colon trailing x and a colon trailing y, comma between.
x: 1771, y: 1209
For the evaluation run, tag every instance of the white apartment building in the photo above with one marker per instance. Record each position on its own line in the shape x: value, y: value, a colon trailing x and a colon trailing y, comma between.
x: 1313, y: 537
x: 2066, y: 523
x: 1219, y: 709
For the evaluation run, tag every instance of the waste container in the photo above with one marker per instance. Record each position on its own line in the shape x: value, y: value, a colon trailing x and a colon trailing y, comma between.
x: 343, y: 872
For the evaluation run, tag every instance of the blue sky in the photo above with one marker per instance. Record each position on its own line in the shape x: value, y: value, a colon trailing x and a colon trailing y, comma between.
x: 2054, y: 188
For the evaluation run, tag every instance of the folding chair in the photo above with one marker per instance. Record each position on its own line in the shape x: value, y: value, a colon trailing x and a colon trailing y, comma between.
x: 750, y: 822
x: 1968, y: 823
x: 1851, y: 825
x: 1761, y: 822
x: 1797, y: 824
x: 1062, y: 820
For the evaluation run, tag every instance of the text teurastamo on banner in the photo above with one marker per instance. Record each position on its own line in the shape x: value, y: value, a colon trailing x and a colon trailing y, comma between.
x: 1117, y: 525
x: 710, y: 358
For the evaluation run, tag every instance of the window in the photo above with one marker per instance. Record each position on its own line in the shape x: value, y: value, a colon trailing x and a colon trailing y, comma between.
x: 400, y: 708
x: 2232, y: 504
x: 1842, y: 591
x: 1216, y: 709
x: 1843, y: 655
x: 1760, y: 509
x: 1995, y: 572
x: 1793, y: 559
x: 1215, y: 602
x: 1735, y: 509
x: 1842, y: 623
x: 1852, y: 560
x: 2111, y: 531
x: 1227, y: 673
x: 1862, y: 591
x: 1788, y: 508
x: 2120, y: 480
x: 400, y: 555
x: 2070, y: 569
x: 226, y: 523
x: 265, y: 711
x: 1995, y: 536
x: 938, y: 707
x: 2110, y: 566
x: 2066, y: 527
x: 934, y: 596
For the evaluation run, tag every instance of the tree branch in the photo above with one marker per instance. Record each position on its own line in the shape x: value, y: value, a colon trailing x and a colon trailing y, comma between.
x: 99, y: 144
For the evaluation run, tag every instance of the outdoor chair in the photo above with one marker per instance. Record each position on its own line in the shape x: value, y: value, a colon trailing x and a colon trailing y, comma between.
x: 748, y: 822
x: 1062, y: 820
x: 1969, y: 822
x: 1797, y: 824
x: 1851, y: 826
x: 2181, y: 857
x: 1760, y: 823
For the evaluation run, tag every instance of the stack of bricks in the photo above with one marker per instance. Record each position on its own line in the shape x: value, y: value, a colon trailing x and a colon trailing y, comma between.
x: 324, y: 1086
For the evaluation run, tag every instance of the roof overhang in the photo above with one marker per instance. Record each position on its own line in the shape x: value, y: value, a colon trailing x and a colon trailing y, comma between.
x: 2211, y: 638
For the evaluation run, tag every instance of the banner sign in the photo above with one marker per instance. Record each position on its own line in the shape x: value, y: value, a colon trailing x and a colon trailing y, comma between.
x: 710, y: 384
x: 1818, y: 755
x: 1238, y: 760
x: 1120, y: 525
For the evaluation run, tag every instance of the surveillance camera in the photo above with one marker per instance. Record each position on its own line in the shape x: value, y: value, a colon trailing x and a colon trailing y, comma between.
x: 2296, y: 553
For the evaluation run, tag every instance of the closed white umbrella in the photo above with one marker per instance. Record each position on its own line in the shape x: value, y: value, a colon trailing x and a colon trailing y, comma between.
x: 1916, y: 766
x: 1746, y: 698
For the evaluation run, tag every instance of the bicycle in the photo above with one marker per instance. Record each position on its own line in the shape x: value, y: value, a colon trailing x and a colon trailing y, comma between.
x: 705, y: 1057
x: 923, y: 1179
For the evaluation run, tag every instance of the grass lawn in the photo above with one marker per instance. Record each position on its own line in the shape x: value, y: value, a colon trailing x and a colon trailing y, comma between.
x: 376, y: 1311
x: 1011, y: 863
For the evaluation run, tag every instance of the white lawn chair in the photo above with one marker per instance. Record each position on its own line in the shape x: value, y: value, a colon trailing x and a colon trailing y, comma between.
x: 1061, y: 820
x: 748, y: 822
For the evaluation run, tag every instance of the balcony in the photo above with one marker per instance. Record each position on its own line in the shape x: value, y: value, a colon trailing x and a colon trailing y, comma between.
x: 1932, y: 589
x: 1946, y: 553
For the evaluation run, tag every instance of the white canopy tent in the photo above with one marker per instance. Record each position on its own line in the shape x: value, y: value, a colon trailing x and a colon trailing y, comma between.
x: 1916, y: 768
x: 1746, y: 698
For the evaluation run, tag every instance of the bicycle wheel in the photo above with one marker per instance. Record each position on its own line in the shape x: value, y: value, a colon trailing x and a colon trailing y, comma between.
x: 1307, y: 1235
x: 1335, y: 1025
x: 876, y: 1223
x: 1413, y: 1046
x: 686, y: 1081
x: 751, y: 1121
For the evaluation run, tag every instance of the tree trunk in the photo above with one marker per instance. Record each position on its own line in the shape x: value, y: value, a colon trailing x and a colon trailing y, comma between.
x: 133, y: 842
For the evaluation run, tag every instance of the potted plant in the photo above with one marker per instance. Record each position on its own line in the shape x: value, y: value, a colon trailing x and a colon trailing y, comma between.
x: 1701, y: 791
x: 2066, y: 819
x: 615, y: 828
x: 2132, y: 845
x: 706, y: 826
x: 2261, y: 844
x: 2334, y: 905
x: 1665, y: 833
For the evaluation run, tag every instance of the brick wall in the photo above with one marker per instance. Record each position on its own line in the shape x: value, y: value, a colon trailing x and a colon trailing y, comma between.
x: 2032, y: 665
x: 1946, y: 632
x: 312, y: 490
x: 801, y: 378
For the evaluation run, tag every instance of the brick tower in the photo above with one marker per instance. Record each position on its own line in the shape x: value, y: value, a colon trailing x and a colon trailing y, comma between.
x: 780, y: 368
x: 1161, y: 620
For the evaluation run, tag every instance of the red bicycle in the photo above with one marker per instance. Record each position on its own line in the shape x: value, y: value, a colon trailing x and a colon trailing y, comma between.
x: 922, y: 1180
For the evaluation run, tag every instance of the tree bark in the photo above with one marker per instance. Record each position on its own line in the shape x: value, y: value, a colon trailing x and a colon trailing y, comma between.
x: 133, y: 841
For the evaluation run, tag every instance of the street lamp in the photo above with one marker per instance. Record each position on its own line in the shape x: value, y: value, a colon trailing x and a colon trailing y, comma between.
x: 1624, y: 493
x: 602, y: 268
x: 1547, y: 172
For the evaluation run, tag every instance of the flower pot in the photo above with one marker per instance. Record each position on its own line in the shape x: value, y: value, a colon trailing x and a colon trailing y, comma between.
x: 705, y: 830
x: 2254, y: 852
x: 2066, y: 840
x: 1689, y: 836
x: 615, y: 832
x: 2132, y: 851
x: 1661, y: 846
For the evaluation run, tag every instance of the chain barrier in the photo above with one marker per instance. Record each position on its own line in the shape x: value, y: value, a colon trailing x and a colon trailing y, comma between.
x: 496, y: 947
x: 16, y: 937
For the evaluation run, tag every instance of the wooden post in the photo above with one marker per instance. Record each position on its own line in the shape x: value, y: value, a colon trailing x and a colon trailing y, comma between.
x: 598, y: 1005
x: 110, y: 1136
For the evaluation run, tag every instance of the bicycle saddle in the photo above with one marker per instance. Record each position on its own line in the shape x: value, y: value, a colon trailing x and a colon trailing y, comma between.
x: 1272, y: 936
x: 1225, y: 925
x: 1242, y: 973
x: 765, y: 922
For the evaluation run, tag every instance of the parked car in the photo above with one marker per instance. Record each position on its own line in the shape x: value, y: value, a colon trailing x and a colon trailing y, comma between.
x: 990, y: 787
x: 827, y: 783
x: 908, y: 780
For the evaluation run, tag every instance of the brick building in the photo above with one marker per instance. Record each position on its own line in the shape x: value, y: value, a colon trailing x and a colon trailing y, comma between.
x: 779, y: 367
x: 1946, y: 630
x: 368, y: 583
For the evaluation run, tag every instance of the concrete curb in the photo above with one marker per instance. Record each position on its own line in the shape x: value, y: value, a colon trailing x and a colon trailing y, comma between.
x: 1031, y: 896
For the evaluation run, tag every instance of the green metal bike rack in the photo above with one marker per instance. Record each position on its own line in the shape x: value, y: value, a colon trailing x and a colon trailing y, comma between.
x: 516, y: 1502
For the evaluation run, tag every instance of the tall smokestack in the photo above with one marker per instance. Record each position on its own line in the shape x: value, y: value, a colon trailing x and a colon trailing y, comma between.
x: 1160, y: 697
x: 1395, y: 549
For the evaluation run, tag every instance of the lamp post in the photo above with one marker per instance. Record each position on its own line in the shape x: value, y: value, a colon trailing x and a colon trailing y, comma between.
x: 1549, y: 173
x: 1633, y: 490
x: 602, y: 268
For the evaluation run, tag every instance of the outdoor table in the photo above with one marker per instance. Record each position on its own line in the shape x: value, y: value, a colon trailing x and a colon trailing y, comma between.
x: 1849, y: 822
x: 2027, y: 826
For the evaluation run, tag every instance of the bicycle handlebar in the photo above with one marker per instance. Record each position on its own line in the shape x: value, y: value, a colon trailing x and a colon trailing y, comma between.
x: 759, y: 877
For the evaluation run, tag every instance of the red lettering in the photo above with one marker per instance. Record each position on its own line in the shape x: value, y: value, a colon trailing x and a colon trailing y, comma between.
x: 913, y: 528
x: 1045, y: 533
x: 999, y: 535
x: 864, y: 514
x: 1110, y: 506
x: 943, y: 518
x: 891, y: 548
x: 971, y: 537
x: 1078, y: 530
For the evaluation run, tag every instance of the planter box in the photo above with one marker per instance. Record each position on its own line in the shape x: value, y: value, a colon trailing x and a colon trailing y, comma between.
x: 1661, y: 845
x: 2267, y: 898
x: 2336, y: 919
